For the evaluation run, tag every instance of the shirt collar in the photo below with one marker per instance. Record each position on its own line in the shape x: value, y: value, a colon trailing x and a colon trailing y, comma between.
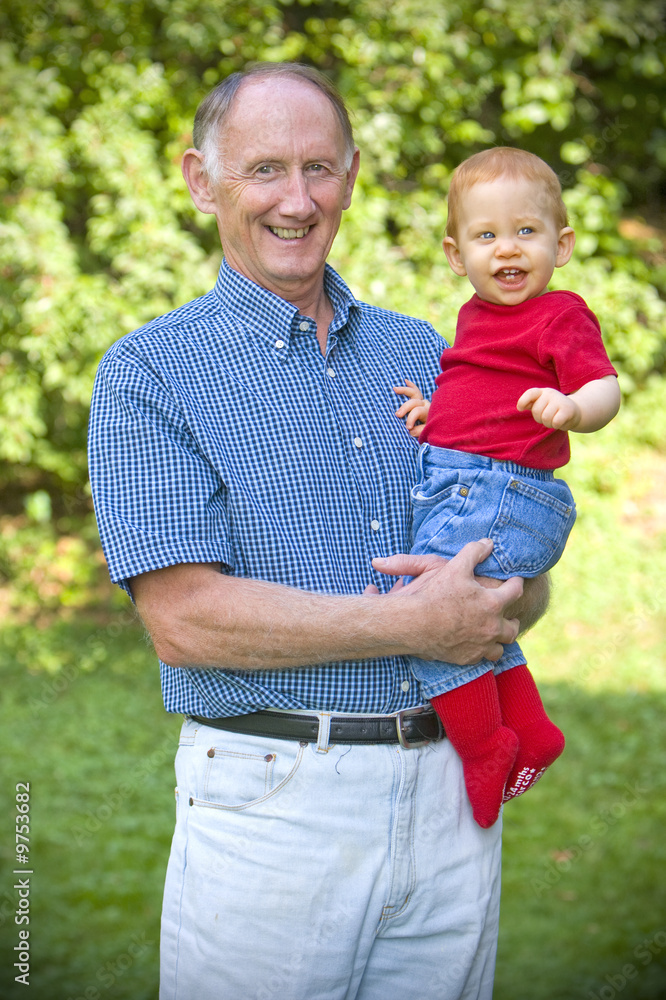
x: 272, y: 319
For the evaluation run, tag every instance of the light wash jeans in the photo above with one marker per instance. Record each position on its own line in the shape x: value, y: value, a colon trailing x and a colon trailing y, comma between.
x: 306, y: 873
x: 460, y: 498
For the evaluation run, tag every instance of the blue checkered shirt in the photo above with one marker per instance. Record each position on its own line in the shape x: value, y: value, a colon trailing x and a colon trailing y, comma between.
x: 220, y: 434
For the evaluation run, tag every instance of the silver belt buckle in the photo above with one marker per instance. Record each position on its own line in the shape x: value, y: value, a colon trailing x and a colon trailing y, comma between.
x: 399, y: 721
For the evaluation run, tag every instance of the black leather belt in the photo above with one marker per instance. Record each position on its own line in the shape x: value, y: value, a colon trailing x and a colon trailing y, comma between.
x: 413, y: 727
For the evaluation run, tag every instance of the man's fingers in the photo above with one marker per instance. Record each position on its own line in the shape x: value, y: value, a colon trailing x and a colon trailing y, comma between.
x: 404, y: 564
x: 372, y: 589
x: 473, y: 553
x: 510, y: 590
x: 510, y: 631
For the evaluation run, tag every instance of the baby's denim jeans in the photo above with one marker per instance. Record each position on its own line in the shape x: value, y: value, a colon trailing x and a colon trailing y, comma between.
x: 461, y: 498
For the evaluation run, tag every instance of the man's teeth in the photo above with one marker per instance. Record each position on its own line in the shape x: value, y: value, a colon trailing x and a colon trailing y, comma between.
x: 289, y: 234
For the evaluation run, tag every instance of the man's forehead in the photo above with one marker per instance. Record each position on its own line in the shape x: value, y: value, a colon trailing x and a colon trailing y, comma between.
x: 268, y: 117
x: 280, y: 97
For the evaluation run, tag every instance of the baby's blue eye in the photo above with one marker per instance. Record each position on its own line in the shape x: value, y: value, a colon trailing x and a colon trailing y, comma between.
x: 487, y: 236
x: 525, y: 231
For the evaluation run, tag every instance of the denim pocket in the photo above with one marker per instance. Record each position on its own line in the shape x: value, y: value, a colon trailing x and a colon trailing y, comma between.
x: 435, y: 501
x: 532, y: 526
x: 235, y: 780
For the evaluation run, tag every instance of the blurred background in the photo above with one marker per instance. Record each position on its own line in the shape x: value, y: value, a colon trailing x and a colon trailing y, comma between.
x: 97, y: 236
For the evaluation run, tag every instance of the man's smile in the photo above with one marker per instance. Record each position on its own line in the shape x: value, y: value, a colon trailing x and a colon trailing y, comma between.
x: 289, y: 234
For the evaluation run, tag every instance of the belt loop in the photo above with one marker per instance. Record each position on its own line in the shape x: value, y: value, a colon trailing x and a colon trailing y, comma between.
x: 420, y: 458
x: 324, y: 733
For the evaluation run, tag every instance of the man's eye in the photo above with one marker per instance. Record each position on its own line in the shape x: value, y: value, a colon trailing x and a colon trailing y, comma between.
x: 265, y: 168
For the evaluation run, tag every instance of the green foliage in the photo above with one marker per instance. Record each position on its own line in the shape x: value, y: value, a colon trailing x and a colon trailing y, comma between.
x: 97, y: 234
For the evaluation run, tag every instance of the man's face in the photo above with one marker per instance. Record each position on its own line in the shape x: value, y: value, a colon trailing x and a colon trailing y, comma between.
x: 283, y: 185
x: 507, y: 243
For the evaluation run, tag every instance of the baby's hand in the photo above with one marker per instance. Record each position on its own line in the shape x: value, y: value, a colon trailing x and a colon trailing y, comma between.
x: 415, y: 409
x: 551, y: 408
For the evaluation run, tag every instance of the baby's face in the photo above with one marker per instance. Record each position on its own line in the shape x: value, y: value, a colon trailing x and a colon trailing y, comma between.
x: 508, y: 243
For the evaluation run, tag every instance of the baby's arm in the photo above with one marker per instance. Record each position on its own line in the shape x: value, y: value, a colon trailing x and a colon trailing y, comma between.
x: 588, y: 409
x: 415, y: 409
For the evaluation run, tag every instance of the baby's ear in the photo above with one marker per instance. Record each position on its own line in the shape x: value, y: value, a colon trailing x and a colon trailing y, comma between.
x: 453, y: 256
x: 565, y: 245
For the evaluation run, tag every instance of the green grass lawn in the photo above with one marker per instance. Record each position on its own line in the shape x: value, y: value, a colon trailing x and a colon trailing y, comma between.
x: 97, y: 749
x: 584, y: 899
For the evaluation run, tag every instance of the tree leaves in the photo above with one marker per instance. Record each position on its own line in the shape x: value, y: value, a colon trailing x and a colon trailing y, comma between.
x: 97, y: 233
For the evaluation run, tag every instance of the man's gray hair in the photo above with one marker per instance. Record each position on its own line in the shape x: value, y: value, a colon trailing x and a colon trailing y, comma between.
x: 215, y: 108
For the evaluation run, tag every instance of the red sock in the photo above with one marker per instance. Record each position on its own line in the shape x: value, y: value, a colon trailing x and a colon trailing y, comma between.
x: 540, y: 741
x: 472, y: 719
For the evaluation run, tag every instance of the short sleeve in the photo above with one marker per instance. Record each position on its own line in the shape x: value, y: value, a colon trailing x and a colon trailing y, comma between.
x: 573, y: 345
x: 158, y: 500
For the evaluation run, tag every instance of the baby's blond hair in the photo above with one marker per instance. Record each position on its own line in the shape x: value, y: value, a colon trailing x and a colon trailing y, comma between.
x: 504, y: 161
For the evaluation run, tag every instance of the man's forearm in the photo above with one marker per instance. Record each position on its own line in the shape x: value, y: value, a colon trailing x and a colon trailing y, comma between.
x: 197, y: 617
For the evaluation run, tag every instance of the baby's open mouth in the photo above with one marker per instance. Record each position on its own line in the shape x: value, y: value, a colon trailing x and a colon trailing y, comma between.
x: 509, y: 274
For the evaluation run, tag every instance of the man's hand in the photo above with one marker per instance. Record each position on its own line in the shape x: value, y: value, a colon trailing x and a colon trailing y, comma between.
x: 454, y: 616
x: 200, y: 617
x: 415, y: 409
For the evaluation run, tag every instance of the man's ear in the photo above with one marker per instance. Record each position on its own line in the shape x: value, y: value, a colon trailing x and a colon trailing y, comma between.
x: 197, y: 181
x: 453, y: 256
x: 352, y: 174
x: 565, y: 245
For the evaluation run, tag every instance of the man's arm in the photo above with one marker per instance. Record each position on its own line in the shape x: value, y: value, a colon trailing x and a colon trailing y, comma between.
x: 198, y: 617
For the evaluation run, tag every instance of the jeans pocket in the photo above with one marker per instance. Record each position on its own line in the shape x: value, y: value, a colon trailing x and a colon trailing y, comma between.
x: 234, y: 780
x: 436, y: 500
x: 532, y: 526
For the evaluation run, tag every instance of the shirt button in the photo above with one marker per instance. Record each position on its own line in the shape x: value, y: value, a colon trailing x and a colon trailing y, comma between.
x: 279, y: 343
x: 405, y: 685
x: 374, y: 525
x: 303, y: 327
x: 331, y: 372
x: 358, y: 442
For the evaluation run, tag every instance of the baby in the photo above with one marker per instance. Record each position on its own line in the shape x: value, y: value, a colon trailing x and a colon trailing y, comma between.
x: 527, y: 366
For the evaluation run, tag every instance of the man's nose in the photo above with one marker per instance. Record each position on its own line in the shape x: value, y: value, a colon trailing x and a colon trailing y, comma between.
x: 295, y: 196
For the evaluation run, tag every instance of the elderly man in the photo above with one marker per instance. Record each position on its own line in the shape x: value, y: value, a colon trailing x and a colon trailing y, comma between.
x: 324, y: 844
